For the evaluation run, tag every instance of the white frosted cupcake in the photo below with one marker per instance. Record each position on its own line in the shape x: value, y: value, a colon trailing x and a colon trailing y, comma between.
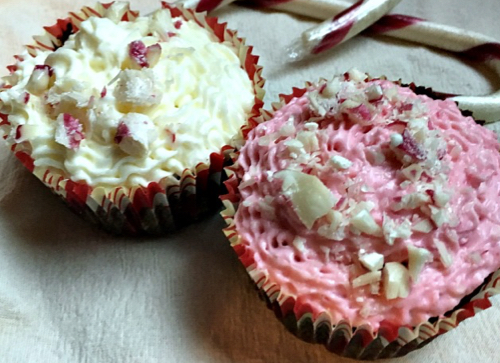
x: 126, y: 117
x: 367, y: 215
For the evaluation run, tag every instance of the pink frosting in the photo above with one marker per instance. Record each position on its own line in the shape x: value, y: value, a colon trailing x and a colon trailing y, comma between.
x: 268, y: 224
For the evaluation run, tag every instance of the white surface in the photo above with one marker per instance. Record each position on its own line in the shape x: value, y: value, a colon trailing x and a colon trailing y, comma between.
x: 70, y: 293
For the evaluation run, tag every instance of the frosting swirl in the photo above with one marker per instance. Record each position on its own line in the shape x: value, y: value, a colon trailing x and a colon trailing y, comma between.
x: 367, y: 202
x: 124, y: 103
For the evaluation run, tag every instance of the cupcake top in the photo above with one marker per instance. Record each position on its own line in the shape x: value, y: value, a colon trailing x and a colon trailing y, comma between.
x: 366, y: 202
x: 123, y: 103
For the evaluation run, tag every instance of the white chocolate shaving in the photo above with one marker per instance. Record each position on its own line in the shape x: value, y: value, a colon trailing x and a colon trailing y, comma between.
x: 332, y: 88
x: 396, y: 281
x: 364, y: 222
x: 299, y: 243
x: 417, y: 258
x: 372, y: 261
x: 396, y: 139
x: 423, y: 226
x: 326, y: 251
x: 294, y: 146
x: 367, y: 279
x: 445, y: 256
x: 374, y: 92
x: 310, y: 198
x: 393, y: 230
x: 309, y: 140
x: 356, y: 75
x: 339, y: 162
x: 438, y: 216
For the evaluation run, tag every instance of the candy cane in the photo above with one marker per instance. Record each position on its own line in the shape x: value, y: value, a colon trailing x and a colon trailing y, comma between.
x: 461, y: 42
x: 342, y: 27
x: 464, y: 43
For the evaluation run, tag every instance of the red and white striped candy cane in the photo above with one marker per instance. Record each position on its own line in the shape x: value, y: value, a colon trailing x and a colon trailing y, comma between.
x: 470, y: 45
x: 342, y: 27
x: 461, y: 42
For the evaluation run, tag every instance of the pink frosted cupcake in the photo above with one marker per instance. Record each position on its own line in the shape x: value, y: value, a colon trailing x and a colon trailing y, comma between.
x: 368, y: 215
x: 129, y: 118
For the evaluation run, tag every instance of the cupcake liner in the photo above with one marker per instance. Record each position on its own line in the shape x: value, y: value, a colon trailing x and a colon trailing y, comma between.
x: 340, y: 337
x: 162, y: 206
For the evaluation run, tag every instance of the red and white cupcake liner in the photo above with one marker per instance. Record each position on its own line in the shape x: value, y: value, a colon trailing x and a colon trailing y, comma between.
x: 340, y: 337
x: 161, y: 206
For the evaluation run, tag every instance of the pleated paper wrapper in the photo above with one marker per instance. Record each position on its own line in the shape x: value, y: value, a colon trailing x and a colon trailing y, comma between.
x: 163, y: 205
x: 340, y: 337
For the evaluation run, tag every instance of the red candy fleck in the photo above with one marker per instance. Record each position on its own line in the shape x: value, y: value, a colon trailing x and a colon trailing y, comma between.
x: 430, y: 193
x: 144, y: 56
x: 44, y: 67
x: 362, y: 112
x: 26, y: 97
x: 122, y: 131
x: 397, y: 123
x: 406, y: 107
x: 322, y: 88
x: 397, y: 126
x: 178, y: 24
x: 171, y: 34
x: 171, y: 135
x: 375, y: 100
x: 104, y: 92
x: 18, y: 132
x: 340, y: 202
x: 4, y: 119
x: 412, y: 147
x: 137, y: 51
x: 74, y: 130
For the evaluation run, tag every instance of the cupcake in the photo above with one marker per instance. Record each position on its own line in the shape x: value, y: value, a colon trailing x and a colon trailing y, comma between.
x: 129, y: 119
x: 367, y: 215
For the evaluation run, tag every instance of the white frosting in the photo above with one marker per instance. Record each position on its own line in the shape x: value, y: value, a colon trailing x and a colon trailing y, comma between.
x: 195, y: 96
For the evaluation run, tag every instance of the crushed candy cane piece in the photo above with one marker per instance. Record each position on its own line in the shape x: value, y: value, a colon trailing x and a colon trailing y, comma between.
x: 142, y: 56
x: 137, y: 52
x: 69, y: 131
x: 134, y: 134
x: 411, y: 147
